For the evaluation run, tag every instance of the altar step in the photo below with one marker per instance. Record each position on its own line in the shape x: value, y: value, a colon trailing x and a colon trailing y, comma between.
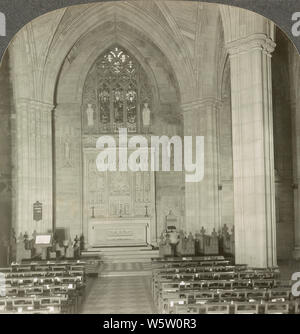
x: 140, y: 254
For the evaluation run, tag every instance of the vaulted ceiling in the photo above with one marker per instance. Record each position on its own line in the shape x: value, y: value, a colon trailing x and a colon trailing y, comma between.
x: 188, y: 36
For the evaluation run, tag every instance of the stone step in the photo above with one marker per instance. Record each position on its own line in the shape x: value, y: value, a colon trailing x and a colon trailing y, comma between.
x: 119, y: 249
x: 116, y: 251
x: 135, y: 253
x: 124, y: 256
x: 114, y: 255
x: 126, y: 260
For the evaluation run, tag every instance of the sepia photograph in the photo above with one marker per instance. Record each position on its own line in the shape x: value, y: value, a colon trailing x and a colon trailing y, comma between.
x: 150, y: 163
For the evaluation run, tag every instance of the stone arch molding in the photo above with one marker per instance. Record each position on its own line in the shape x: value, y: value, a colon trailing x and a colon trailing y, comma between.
x: 86, y: 61
x: 194, y: 76
x: 166, y: 36
x: 132, y: 17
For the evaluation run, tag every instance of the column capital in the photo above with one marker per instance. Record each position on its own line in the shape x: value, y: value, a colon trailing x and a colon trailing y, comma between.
x: 200, y: 103
x: 25, y: 103
x: 252, y: 42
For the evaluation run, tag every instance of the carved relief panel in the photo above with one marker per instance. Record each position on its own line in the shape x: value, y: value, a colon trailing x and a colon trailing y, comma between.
x: 116, y: 194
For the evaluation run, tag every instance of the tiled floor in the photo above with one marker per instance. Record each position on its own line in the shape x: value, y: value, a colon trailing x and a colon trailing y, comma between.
x: 131, y: 266
x: 119, y: 295
x: 125, y: 269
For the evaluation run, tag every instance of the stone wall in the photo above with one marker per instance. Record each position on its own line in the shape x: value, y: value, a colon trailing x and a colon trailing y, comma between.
x: 68, y: 168
x: 283, y: 147
x: 6, y: 191
x: 68, y: 128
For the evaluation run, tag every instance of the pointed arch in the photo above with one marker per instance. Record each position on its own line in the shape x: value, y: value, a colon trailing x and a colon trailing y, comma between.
x: 132, y: 17
x: 116, y: 87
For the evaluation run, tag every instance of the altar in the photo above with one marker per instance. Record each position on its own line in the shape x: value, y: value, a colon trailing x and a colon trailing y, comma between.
x: 119, y: 232
x: 118, y: 207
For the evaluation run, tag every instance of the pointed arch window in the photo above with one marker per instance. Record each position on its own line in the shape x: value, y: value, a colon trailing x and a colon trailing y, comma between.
x: 115, y: 91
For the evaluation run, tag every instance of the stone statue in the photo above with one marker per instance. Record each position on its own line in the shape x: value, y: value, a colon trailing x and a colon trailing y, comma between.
x: 70, y: 250
x: 146, y: 115
x: 67, y: 153
x: 82, y: 242
x: 76, y: 247
x: 90, y: 115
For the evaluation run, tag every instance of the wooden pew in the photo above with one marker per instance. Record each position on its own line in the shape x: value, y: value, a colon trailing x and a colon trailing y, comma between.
x: 48, y: 266
x: 277, y: 308
x: 214, y: 308
x: 44, y: 290
x: 52, y: 287
x: 189, y: 309
x: 170, y: 299
x: 217, y: 308
x: 167, y: 306
x: 39, y: 274
x: 246, y: 308
x: 277, y: 294
x: 183, y: 286
x: 25, y: 304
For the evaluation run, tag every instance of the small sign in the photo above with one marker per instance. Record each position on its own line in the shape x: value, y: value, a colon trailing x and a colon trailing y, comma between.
x: 37, y: 211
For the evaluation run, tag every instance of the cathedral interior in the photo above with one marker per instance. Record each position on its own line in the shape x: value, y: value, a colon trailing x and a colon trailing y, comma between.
x: 155, y: 68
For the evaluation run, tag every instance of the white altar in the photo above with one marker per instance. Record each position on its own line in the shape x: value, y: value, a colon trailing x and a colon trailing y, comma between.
x: 119, y: 232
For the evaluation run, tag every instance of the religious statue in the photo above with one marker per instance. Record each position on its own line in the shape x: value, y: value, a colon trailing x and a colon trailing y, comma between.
x: 22, y: 252
x: 146, y: 115
x: 90, y: 115
x: 67, y: 151
x: 82, y: 242
x: 69, y: 250
x: 173, y: 239
x: 13, y: 245
x: 76, y: 247
x: 26, y: 241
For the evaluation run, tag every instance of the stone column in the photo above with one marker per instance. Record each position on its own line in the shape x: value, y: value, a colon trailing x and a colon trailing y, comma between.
x: 253, y: 153
x: 201, y: 198
x: 296, y: 162
x: 33, y: 165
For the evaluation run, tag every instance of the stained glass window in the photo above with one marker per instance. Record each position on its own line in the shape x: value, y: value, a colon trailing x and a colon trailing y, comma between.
x: 117, y: 88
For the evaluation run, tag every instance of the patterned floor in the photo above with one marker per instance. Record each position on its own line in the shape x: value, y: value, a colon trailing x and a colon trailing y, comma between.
x: 126, y: 269
x: 119, y: 295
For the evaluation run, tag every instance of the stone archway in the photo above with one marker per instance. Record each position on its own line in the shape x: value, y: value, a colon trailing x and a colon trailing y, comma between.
x: 70, y: 184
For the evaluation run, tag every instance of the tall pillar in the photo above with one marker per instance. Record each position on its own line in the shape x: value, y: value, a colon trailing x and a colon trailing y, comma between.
x: 296, y: 162
x: 253, y: 152
x: 33, y: 165
x: 201, y: 198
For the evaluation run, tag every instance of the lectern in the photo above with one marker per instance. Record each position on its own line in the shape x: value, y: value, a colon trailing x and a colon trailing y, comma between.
x: 42, y: 243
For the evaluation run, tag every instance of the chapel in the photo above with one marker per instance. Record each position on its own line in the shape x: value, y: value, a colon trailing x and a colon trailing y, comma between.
x: 72, y: 81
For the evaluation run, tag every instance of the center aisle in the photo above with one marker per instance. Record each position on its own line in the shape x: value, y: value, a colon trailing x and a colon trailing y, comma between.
x: 120, y: 295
